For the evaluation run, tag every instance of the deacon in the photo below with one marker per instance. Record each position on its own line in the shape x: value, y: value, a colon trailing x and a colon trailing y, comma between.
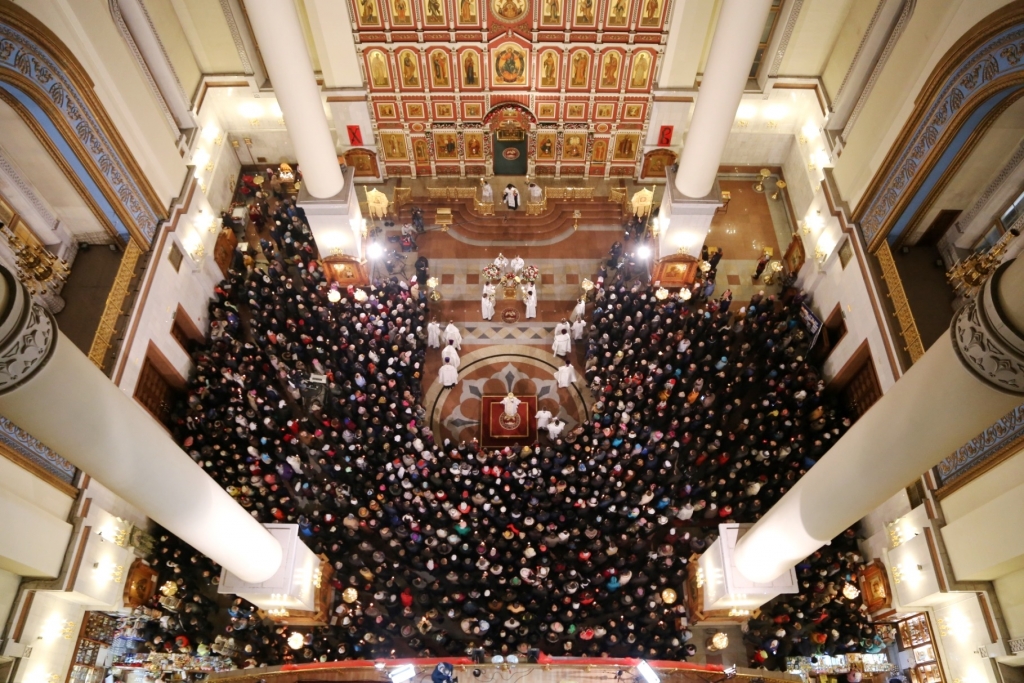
x: 511, y: 197
x: 448, y: 375
x: 565, y: 375
x: 511, y: 404
x: 531, y: 301
x: 434, y: 334
x: 487, y: 302
x: 451, y: 355
x: 453, y: 336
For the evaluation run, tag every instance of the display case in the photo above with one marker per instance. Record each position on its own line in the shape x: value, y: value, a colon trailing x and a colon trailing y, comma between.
x: 914, y: 631
x: 92, y: 653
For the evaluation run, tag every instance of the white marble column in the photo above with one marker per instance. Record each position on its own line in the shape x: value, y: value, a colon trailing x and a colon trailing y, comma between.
x: 739, y: 29
x: 283, y: 47
x: 966, y: 381
x: 51, y: 390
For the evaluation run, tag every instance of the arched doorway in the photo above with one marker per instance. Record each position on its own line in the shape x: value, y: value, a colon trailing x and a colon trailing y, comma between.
x: 510, y: 129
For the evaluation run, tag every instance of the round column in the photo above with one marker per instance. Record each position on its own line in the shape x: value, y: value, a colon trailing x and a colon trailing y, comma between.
x: 283, y: 47
x: 737, y: 35
x: 966, y: 381
x: 50, y: 389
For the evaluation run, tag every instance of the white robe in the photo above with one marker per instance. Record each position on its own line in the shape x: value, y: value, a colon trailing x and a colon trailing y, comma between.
x: 517, y: 264
x: 452, y: 356
x: 487, y: 302
x: 579, y: 311
x: 448, y: 375
x: 486, y: 193
x: 555, y: 428
x: 451, y: 333
x: 577, y: 329
x: 531, y: 303
x: 511, y: 197
x: 565, y: 375
x: 433, y: 335
x: 511, y: 404
x: 562, y: 345
x: 543, y: 417
x: 561, y: 327
x: 536, y: 193
x: 501, y: 262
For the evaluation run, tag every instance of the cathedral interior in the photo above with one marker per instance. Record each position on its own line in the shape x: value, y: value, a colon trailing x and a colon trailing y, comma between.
x: 564, y: 340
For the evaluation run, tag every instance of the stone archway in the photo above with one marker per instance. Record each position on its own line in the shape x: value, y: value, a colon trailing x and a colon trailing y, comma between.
x: 977, y: 78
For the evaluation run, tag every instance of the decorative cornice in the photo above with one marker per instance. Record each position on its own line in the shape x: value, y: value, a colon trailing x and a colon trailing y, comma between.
x: 236, y: 37
x: 28, y: 62
x: 129, y: 39
x: 986, y: 342
x: 856, y: 56
x: 890, y: 45
x: 30, y: 340
x: 14, y: 176
x: 24, y: 444
x: 995, y: 63
x: 1004, y: 173
x: 991, y: 443
x: 787, y: 33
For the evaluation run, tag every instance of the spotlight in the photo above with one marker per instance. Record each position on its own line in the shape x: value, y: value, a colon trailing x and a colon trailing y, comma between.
x: 374, y: 250
x: 643, y: 252
x: 402, y: 673
x: 647, y: 673
x: 296, y: 640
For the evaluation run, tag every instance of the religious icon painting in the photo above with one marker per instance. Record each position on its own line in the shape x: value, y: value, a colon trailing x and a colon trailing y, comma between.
x: 579, y: 69
x: 547, y: 110
x: 472, y: 110
x: 440, y: 76
x: 618, y: 14
x: 510, y: 64
x: 355, y: 134
x: 625, y: 146
x: 633, y: 112
x: 421, y: 151
x: 551, y: 13
x: 409, y: 66
x: 470, y: 68
x: 433, y: 13
x: 415, y: 110
x: 401, y: 13
x: 368, y: 12
x: 650, y: 14
x: 509, y: 11
x: 547, y: 142
x: 574, y: 146
x: 468, y: 12
x: 641, y: 70
x: 600, y: 151
x: 474, y: 146
x: 665, y: 136
x: 394, y: 146
x: 386, y: 110
x: 585, y: 13
x: 444, y: 110
x: 446, y: 145
x: 575, y: 111
x: 604, y: 111
x: 609, y: 74
x: 549, y: 61
x: 380, y: 77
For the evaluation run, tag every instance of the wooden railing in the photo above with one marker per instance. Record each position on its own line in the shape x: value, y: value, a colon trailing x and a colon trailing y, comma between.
x: 450, y: 193
x: 569, y: 192
x: 901, y: 305
x: 483, y: 208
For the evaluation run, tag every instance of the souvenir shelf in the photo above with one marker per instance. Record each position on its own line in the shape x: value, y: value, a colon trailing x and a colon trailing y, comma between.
x: 94, y: 642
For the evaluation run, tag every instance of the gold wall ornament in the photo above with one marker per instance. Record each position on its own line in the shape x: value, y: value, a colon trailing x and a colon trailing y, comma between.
x: 967, y: 276
x: 112, y: 310
x: 901, y: 305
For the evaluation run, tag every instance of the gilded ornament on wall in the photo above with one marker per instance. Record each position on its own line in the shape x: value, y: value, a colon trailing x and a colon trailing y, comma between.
x: 509, y: 10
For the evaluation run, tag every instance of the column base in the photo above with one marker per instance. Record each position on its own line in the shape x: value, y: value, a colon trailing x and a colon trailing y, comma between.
x: 336, y: 222
x: 295, y: 584
x: 725, y: 588
x: 688, y: 219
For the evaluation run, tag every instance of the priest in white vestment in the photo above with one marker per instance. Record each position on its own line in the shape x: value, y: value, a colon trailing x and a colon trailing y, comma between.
x: 562, y: 345
x: 511, y: 404
x: 452, y: 334
x: 577, y: 329
x: 531, y: 301
x: 579, y: 311
x: 434, y: 334
x: 448, y: 375
x: 555, y: 428
x: 543, y: 417
x: 451, y: 355
x: 487, y: 302
x: 518, y: 264
x: 565, y: 375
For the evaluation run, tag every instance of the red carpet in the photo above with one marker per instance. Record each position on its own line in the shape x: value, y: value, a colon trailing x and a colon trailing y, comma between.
x: 494, y: 435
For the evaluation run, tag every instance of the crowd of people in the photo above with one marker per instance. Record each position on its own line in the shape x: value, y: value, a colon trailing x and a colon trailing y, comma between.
x: 702, y: 414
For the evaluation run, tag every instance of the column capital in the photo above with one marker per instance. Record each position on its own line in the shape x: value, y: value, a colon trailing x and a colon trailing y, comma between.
x: 986, y: 341
x: 28, y: 334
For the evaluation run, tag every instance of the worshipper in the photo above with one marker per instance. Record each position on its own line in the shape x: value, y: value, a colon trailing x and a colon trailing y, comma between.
x: 555, y: 427
x: 510, y: 197
x: 565, y: 375
x: 450, y: 354
x: 422, y: 268
x: 453, y: 336
x: 434, y: 334
x: 579, y: 311
x: 517, y: 264
x: 487, y: 301
x: 577, y: 329
x: 761, y: 263
x: 543, y: 417
x: 562, y: 345
x: 725, y: 301
x: 486, y: 192
x: 530, y: 299
x: 448, y: 374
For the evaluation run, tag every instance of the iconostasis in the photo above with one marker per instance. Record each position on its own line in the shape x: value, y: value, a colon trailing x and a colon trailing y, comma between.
x: 561, y: 86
